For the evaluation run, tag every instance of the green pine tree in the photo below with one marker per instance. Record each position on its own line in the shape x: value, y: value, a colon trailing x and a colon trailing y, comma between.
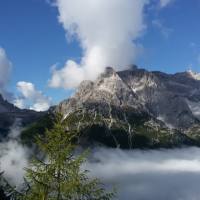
x: 61, y: 177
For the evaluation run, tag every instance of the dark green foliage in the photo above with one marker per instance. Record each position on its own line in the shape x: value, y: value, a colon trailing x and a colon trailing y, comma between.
x: 95, y: 127
x: 2, y: 195
x: 61, y: 177
x: 5, y: 122
x: 29, y: 134
x: 112, y: 138
x: 99, y: 134
x: 141, y: 141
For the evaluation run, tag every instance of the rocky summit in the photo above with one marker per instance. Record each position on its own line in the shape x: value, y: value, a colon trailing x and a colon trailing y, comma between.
x: 136, y: 108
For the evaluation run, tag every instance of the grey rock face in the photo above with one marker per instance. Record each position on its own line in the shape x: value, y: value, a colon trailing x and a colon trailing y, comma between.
x: 138, y: 102
x: 109, y: 90
x: 173, y: 99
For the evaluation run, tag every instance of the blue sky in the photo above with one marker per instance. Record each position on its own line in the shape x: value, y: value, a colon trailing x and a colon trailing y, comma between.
x: 182, y: 47
x: 34, y: 40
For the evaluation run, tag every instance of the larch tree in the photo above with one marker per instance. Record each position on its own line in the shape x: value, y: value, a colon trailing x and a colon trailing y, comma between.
x: 60, y: 176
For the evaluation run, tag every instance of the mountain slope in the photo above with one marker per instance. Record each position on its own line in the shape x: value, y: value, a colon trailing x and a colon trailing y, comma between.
x: 174, y: 99
x: 9, y: 114
x: 136, y: 108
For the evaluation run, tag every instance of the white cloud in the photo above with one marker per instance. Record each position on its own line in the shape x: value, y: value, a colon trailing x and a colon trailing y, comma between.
x: 20, y: 103
x: 13, y: 156
x: 31, y: 98
x: 5, y: 71
x: 164, y: 3
x: 106, y: 30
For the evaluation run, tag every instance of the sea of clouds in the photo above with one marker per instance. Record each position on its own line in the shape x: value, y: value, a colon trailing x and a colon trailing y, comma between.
x: 137, y: 174
x: 151, y: 174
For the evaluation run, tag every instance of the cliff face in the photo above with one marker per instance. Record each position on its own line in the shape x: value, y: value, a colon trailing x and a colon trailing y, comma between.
x: 173, y: 99
x: 136, y: 108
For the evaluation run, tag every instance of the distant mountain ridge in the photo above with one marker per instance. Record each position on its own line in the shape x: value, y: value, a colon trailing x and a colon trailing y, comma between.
x: 174, y: 99
x: 136, y: 107
x: 9, y: 114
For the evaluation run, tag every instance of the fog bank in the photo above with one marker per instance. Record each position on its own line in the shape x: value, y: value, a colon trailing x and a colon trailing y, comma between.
x: 149, y: 175
x: 13, y: 156
x: 138, y: 175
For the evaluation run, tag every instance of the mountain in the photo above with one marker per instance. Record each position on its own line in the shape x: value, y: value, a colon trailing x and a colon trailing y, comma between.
x: 9, y: 114
x: 136, y: 108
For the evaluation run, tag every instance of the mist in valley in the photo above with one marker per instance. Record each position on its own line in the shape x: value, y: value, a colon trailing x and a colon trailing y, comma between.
x: 151, y: 174
x: 137, y: 174
x: 14, y: 156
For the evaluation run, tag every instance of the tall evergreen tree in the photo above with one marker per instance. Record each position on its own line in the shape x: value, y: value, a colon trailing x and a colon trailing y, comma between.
x: 60, y: 177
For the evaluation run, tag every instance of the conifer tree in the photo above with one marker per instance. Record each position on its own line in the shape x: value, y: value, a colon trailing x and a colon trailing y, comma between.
x: 60, y: 177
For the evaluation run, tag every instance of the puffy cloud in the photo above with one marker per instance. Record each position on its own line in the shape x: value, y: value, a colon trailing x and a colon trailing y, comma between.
x: 20, y: 103
x: 5, y: 71
x: 13, y: 156
x: 107, y: 32
x: 31, y: 98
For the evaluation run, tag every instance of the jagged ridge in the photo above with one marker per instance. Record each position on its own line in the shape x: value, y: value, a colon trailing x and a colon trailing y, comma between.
x: 136, y: 108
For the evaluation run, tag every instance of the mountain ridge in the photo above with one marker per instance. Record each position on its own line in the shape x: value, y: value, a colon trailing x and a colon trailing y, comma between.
x: 10, y: 113
x: 133, y: 108
x: 140, y: 87
x: 155, y: 100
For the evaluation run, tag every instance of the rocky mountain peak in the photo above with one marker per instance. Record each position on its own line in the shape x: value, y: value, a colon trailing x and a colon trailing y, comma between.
x: 132, y: 67
x: 173, y: 99
x: 136, y: 103
x: 109, y: 71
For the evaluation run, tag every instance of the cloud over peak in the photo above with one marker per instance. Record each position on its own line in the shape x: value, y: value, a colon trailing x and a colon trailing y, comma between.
x: 107, y: 32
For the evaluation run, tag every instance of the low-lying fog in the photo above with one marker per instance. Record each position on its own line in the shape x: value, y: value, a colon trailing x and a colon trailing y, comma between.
x: 138, y: 175
x: 150, y: 175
